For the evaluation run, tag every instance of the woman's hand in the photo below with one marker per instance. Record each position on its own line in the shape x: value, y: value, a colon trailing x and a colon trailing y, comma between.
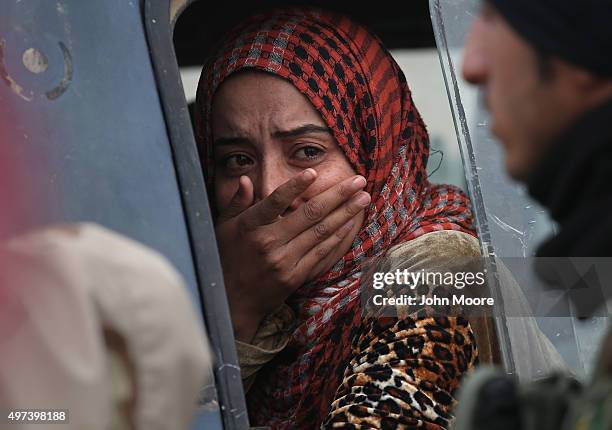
x: 266, y: 257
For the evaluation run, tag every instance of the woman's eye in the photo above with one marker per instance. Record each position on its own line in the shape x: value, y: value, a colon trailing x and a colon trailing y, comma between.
x: 237, y: 161
x: 308, y: 153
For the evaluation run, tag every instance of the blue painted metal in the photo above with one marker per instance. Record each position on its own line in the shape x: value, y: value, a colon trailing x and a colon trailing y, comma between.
x: 92, y: 131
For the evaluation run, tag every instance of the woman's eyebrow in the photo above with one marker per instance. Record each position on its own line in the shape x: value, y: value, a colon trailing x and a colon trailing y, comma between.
x: 282, y: 134
x: 299, y: 131
x: 238, y: 140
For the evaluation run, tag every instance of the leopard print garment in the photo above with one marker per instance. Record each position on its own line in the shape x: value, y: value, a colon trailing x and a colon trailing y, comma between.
x: 403, y: 374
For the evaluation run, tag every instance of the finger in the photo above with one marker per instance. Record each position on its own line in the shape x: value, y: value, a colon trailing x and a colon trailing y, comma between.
x: 314, y: 261
x: 241, y: 201
x: 330, y: 225
x: 314, y: 210
x: 269, y: 209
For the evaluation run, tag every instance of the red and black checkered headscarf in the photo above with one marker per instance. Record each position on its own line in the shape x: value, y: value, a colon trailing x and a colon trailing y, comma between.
x: 362, y: 95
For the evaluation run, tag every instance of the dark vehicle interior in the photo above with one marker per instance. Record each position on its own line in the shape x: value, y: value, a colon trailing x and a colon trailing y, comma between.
x: 400, y: 25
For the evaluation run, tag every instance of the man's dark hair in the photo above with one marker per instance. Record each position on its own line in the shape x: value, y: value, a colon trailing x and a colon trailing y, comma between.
x: 578, y: 32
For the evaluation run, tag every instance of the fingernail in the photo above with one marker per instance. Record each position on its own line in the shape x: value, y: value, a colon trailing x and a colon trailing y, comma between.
x: 309, y: 174
x: 359, y: 181
x: 363, y: 199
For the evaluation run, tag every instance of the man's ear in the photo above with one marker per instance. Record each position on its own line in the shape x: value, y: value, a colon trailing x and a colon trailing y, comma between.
x: 597, y: 89
x: 583, y: 79
x: 593, y: 89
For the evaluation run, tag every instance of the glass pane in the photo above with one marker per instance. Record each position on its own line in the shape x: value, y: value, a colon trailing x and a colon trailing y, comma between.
x: 509, y: 223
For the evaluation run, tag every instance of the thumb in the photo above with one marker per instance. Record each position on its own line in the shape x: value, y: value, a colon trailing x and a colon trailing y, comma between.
x: 241, y: 201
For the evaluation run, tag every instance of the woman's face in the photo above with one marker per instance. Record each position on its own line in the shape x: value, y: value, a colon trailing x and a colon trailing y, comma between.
x: 264, y: 128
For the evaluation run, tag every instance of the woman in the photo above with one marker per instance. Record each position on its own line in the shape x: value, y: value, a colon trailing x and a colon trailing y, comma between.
x: 315, y: 158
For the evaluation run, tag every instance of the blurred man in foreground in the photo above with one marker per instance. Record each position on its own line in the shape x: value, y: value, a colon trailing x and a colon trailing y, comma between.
x: 545, y: 70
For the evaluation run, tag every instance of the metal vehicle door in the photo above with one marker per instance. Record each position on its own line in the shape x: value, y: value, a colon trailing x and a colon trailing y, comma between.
x: 98, y: 119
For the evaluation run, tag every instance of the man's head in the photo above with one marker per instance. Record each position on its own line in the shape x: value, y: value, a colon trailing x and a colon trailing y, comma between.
x: 533, y: 88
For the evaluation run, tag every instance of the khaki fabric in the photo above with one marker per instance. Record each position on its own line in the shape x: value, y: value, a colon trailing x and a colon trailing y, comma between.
x: 270, y: 339
x: 98, y: 324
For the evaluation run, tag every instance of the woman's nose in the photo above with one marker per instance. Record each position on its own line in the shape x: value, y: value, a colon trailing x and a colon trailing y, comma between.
x: 473, y: 67
x: 270, y: 179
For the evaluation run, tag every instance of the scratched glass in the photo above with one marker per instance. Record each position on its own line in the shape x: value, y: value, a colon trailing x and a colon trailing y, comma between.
x: 509, y: 223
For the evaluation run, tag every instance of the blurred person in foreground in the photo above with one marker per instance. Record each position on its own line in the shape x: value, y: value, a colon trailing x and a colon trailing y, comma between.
x: 545, y: 70
x: 101, y: 326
